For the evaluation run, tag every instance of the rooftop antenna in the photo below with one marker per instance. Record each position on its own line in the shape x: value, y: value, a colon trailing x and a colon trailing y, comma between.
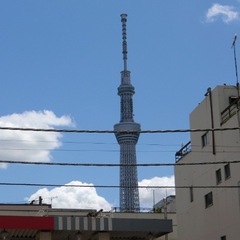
x: 235, y: 61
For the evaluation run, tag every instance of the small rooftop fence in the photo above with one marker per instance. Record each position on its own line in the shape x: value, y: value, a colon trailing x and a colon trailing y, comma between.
x: 183, y: 151
x: 230, y: 111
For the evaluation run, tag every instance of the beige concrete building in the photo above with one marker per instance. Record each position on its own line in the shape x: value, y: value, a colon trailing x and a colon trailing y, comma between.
x: 168, y: 207
x: 208, y: 193
x: 41, y: 222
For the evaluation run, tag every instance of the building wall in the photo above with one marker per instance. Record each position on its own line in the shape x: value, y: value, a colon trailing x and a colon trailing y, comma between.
x: 173, y: 234
x: 167, y: 206
x: 222, y: 218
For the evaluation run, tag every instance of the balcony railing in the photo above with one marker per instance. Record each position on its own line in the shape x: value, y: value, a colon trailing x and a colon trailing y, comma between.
x: 230, y: 111
x: 183, y: 151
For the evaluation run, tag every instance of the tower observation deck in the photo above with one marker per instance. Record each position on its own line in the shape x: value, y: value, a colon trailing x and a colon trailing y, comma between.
x: 127, y: 134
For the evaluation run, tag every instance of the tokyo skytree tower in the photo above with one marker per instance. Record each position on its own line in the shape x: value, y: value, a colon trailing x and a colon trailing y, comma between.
x: 127, y: 134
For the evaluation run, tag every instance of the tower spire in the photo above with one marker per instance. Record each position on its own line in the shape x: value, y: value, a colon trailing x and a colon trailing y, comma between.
x: 127, y: 134
x: 124, y: 38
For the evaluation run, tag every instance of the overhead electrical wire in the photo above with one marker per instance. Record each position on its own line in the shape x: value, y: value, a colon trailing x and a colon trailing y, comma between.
x: 85, y: 143
x: 113, y: 150
x: 114, y: 165
x: 108, y: 186
x: 113, y: 131
x: 82, y: 143
x: 117, y: 164
x: 100, y: 143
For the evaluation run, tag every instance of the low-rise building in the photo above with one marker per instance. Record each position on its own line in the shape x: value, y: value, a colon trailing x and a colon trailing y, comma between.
x: 41, y: 222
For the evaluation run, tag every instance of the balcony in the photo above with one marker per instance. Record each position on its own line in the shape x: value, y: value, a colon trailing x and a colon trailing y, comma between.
x: 231, y: 110
x: 183, y: 151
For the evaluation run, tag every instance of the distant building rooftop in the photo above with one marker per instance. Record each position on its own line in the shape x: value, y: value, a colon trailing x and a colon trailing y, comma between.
x: 22, y: 221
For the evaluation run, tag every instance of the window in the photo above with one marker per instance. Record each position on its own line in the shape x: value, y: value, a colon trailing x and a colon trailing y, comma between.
x: 218, y: 176
x: 208, y: 200
x: 227, y: 171
x: 223, y: 238
x: 191, y: 194
x: 205, y: 139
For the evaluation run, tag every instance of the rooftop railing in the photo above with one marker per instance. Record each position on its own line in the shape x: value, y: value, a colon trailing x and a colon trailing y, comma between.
x: 230, y: 111
x: 183, y: 151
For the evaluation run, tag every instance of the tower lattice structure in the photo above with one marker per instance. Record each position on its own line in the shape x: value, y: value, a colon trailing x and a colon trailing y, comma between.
x: 127, y: 134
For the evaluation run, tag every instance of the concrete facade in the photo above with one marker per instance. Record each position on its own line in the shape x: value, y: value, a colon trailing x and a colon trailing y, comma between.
x: 167, y: 206
x: 208, y: 195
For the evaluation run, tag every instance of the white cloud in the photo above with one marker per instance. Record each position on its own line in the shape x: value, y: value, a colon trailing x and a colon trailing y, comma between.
x: 28, y: 145
x: 224, y: 12
x: 72, y: 197
x: 150, y: 196
x: 88, y: 198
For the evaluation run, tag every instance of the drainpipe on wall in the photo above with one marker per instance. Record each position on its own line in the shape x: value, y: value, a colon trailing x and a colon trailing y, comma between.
x: 209, y: 93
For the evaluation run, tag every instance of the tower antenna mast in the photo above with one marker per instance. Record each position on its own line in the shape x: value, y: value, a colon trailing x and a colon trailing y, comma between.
x: 235, y: 61
x: 124, y: 38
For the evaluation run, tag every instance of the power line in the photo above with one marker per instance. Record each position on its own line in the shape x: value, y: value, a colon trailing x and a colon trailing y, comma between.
x: 112, y: 131
x: 118, y: 164
x: 65, y: 142
x: 115, y: 150
x: 100, y: 143
x: 110, y: 186
x: 82, y: 143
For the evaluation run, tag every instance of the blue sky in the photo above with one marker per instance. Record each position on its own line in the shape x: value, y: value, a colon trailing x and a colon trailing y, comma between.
x: 60, y: 64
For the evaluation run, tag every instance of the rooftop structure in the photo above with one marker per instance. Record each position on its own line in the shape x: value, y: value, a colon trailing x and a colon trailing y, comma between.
x: 167, y: 204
